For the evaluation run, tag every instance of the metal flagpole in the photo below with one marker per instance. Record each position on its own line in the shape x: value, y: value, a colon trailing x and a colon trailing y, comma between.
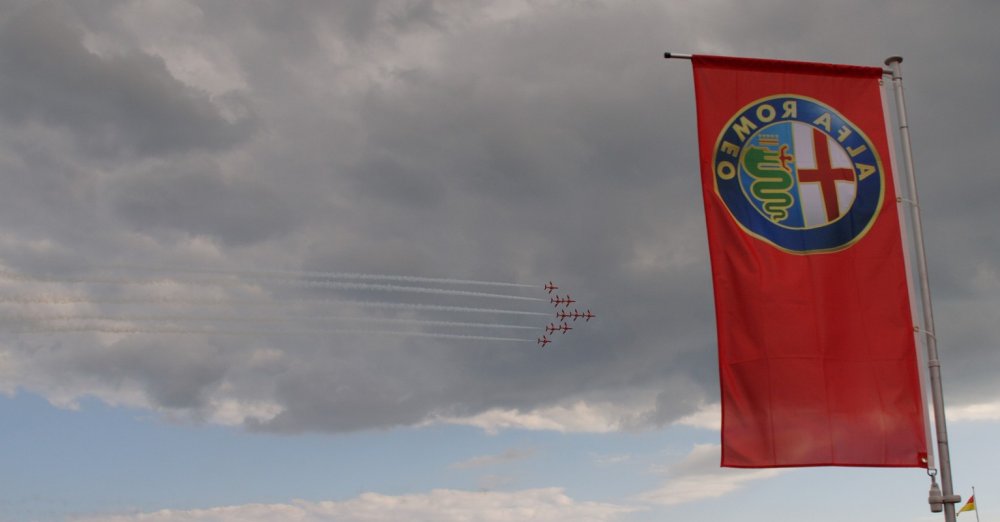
x: 975, y: 503
x: 945, y: 497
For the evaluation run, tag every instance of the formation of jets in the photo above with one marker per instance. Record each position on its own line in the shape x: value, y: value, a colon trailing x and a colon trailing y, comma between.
x: 552, y: 328
x: 576, y: 314
x: 562, y: 314
x: 564, y: 301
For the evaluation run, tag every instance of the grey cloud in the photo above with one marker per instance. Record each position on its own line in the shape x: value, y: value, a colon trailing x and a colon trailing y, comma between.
x: 174, y: 373
x: 392, y: 183
x: 435, y: 141
x: 127, y: 102
x: 678, y: 397
x: 196, y: 198
x: 362, y: 383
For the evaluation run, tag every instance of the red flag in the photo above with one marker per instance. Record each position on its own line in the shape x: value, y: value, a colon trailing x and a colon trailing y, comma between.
x: 817, y: 357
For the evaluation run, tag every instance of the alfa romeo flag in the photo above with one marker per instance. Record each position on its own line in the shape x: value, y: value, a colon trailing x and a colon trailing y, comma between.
x: 817, y: 356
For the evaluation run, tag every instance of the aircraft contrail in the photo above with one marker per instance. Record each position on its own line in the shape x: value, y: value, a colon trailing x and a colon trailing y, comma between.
x: 329, y: 275
x: 415, y: 289
x: 44, y: 329
x: 254, y: 319
x: 169, y: 300
x: 344, y: 285
x: 442, y: 308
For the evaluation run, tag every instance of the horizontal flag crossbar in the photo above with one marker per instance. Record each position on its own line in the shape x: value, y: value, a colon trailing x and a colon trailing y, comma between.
x: 687, y: 56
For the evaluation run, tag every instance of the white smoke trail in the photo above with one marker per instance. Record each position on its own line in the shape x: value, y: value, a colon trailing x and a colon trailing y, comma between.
x: 343, y: 285
x: 170, y: 300
x: 20, y: 319
x: 329, y: 275
x: 443, y: 308
x: 131, y: 330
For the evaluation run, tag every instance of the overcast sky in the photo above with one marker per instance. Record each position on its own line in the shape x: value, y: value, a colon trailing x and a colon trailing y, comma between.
x: 171, y: 168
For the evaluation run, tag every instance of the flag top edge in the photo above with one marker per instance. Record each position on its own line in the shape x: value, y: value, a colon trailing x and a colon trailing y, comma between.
x: 764, y: 64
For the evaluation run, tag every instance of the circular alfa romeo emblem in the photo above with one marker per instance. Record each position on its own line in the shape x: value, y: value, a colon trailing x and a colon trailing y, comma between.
x: 798, y: 175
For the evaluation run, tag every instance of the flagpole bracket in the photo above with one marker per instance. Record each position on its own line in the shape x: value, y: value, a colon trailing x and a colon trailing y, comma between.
x: 937, y: 500
x: 926, y: 332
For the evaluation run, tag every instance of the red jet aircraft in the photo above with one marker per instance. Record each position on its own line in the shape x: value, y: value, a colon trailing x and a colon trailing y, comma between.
x: 588, y: 315
x: 563, y: 314
x: 551, y: 286
x: 562, y: 301
x: 552, y: 328
x: 543, y: 341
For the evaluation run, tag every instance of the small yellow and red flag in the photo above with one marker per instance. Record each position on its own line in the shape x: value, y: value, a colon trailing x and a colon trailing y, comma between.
x: 970, y: 505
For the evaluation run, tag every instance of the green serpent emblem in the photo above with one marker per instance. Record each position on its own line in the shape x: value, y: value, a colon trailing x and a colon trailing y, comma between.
x: 773, y: 180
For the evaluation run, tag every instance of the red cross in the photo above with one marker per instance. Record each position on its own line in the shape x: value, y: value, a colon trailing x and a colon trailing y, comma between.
x: 825, y: 175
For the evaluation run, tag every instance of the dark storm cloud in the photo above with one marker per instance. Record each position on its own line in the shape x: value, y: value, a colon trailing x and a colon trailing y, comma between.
x: 450, y: 140
x: 124, y: 102
x: 176, y: 373
x: 366, y: 386
x: 493, y: 157
x: 568, y: 153
x: 195, y: 197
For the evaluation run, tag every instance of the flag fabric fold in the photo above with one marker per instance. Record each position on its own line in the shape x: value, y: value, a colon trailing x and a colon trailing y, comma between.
x: 817, y: 355
x: 970, y: 505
